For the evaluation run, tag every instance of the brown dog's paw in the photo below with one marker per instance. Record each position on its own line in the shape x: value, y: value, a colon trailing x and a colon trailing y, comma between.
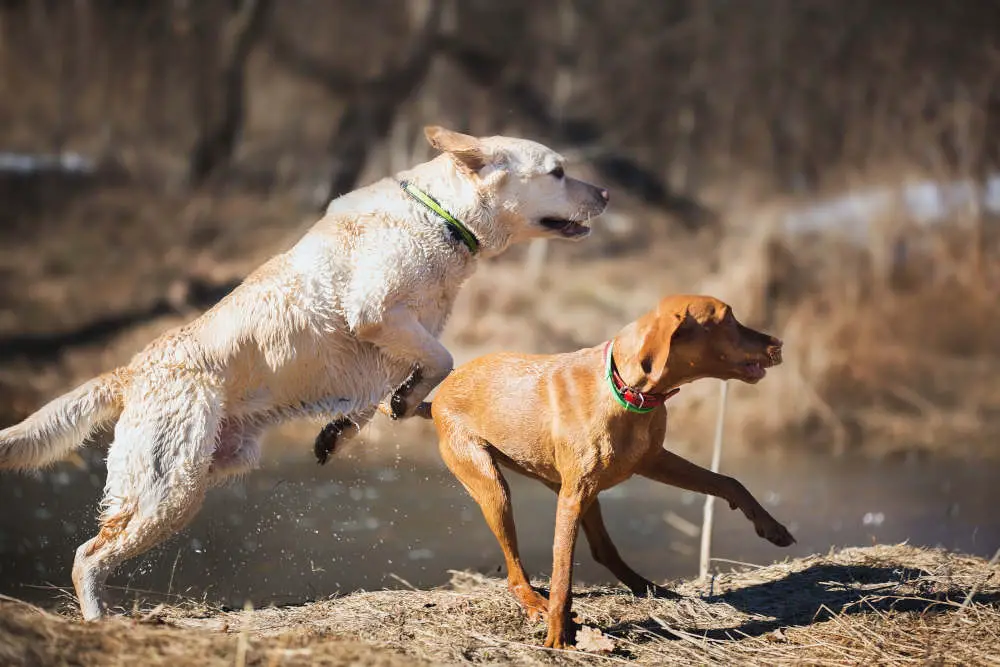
x: 651, y: 590
x: 775, y: 533
x: 559, y: 640
x: 535, y: 605
x: 562, y: 634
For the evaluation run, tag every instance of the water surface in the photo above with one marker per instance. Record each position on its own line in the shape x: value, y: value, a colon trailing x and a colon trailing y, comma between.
x: 295, y: 531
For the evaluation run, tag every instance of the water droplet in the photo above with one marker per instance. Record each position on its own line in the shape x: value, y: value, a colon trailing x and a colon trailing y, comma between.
x: 873, y: 519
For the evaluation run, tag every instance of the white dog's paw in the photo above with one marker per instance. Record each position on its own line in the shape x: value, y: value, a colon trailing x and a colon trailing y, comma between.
x: 407, y: 398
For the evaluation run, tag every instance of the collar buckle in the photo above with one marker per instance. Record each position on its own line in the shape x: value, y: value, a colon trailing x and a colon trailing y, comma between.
x: 628, y: 397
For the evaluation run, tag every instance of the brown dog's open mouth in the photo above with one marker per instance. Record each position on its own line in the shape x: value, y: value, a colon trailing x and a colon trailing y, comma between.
x: 567, y: 228
x: 754, y: 371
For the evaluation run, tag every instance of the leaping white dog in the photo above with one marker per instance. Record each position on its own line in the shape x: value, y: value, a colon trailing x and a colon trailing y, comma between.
x: 346, y: 319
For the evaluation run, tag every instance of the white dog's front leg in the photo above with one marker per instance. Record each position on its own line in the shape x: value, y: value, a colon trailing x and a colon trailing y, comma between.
x: 399, y: 334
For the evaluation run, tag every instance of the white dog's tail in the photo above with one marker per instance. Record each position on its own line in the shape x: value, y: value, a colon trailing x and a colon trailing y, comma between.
x: 61, y: 425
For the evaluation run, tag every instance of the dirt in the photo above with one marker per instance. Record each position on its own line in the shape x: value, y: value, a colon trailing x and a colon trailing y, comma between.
x: 891, y: 604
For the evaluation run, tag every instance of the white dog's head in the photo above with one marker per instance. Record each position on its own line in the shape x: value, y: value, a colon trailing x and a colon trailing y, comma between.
x: 521, y: 185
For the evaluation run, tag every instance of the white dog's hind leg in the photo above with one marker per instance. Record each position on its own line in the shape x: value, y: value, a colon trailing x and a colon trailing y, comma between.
x: 157, y: 477
x: 237, y: 450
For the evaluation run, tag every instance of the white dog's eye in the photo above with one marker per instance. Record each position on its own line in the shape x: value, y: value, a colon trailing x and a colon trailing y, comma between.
x: 557, y: 172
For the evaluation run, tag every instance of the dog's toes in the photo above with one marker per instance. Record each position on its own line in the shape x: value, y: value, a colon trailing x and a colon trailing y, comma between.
x: 777, y: 535
x: 397, y: 406
x: 327, y: 438
x: 558, y: 640
x: 536, y: 606
x: 662, y: 593
x: 399, y: 403
x: 536, y: 611
x: 785, y: 539
x: 650, y: 590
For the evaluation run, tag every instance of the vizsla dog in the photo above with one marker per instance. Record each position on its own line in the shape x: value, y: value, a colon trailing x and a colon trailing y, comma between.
x: 585, y: 421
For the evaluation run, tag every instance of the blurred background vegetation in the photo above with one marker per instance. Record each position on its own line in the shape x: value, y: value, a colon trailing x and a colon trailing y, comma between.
x: 831, y: 168
x: 827, y: 167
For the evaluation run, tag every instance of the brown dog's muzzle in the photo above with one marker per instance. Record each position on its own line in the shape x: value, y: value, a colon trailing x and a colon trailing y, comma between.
x: 762, y: 352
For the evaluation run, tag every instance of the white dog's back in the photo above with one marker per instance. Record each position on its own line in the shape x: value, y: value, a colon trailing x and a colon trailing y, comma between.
x: 347, y: 318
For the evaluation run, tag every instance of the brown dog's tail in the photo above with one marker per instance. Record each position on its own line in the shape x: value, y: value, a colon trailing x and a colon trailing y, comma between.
x: 423, y: 410
x: 61, y: 425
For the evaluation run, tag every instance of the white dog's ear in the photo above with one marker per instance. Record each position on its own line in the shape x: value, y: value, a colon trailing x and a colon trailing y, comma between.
x: 466, y: 150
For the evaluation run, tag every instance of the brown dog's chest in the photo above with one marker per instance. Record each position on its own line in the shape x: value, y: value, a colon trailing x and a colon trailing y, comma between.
x: 612, y: 455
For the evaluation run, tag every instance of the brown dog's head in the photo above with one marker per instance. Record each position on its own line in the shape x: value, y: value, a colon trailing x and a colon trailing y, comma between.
x: 691, y: 337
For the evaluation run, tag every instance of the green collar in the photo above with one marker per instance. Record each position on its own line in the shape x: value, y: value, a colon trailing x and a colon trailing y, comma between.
x: 460, y: 231
x: 628, y: 397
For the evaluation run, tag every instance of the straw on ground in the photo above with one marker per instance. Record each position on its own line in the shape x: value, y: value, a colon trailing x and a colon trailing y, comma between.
x: 890, y: 605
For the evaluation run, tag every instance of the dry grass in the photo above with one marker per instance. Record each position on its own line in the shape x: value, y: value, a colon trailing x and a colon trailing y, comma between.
x: 888, y: 605
x: 878, y: 359
x: 883, y: 364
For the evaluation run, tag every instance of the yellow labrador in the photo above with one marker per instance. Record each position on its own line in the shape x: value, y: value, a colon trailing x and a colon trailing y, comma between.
x: 347, y: 318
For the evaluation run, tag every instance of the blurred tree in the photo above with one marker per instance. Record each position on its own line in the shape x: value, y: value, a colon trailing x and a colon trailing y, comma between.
x: 221, y: 106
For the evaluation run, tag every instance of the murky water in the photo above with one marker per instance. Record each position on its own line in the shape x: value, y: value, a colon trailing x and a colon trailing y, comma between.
x: 296, y: 531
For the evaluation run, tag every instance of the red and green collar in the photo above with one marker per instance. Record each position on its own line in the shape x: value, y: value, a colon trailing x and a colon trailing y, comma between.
x: 631, y: 399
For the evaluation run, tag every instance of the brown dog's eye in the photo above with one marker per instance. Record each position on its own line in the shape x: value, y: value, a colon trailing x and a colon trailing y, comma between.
x: 557, y: 172
x: 686, y: 329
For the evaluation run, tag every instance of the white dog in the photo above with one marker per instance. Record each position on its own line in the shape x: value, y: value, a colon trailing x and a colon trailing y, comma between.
x: 346, y: 318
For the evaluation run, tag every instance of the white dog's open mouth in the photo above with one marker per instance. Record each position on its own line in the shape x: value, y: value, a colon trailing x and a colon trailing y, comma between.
x: 566, y: 228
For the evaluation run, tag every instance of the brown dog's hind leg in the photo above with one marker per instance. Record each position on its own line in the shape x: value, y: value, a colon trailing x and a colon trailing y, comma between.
x: 668, y: 468
x: 472, y: 464
x: 604, y: 552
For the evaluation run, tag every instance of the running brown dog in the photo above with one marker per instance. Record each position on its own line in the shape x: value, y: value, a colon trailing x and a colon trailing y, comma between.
x: 585, y: 421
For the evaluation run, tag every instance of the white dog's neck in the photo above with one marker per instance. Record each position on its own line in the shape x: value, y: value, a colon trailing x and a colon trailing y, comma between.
x: 459, y: 195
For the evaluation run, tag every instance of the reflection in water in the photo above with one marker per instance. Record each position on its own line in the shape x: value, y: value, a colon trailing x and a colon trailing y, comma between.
x: 296, y: 531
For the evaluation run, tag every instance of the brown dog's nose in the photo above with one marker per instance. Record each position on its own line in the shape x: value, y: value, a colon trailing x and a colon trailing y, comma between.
x: 776, y: 342
x: 605, y: 195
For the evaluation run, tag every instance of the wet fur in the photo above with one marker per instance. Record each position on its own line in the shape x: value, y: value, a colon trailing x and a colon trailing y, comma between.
x: 330, y: 328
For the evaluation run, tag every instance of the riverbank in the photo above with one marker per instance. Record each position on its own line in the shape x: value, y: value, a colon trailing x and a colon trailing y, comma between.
x: 885, y: 604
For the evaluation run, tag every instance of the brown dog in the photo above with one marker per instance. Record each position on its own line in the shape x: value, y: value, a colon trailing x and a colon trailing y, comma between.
x: 585, y: 421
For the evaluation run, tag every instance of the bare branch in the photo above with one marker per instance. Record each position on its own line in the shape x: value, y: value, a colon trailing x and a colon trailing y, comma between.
x: 223, y: 121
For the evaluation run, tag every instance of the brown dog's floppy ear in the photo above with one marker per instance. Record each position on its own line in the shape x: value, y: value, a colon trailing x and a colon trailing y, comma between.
x: 466, y: 150
x: 657, y: 337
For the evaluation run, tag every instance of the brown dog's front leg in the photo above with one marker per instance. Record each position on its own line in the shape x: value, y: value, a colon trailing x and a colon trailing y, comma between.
x: 668, y: 468
x: 572, y: 502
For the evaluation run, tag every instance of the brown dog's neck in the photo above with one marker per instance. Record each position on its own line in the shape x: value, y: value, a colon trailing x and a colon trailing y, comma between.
x: 629, y: 397
x: 627, y: 345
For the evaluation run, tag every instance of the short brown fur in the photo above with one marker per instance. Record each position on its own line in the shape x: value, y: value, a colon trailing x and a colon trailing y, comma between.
x: 554, y: 418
